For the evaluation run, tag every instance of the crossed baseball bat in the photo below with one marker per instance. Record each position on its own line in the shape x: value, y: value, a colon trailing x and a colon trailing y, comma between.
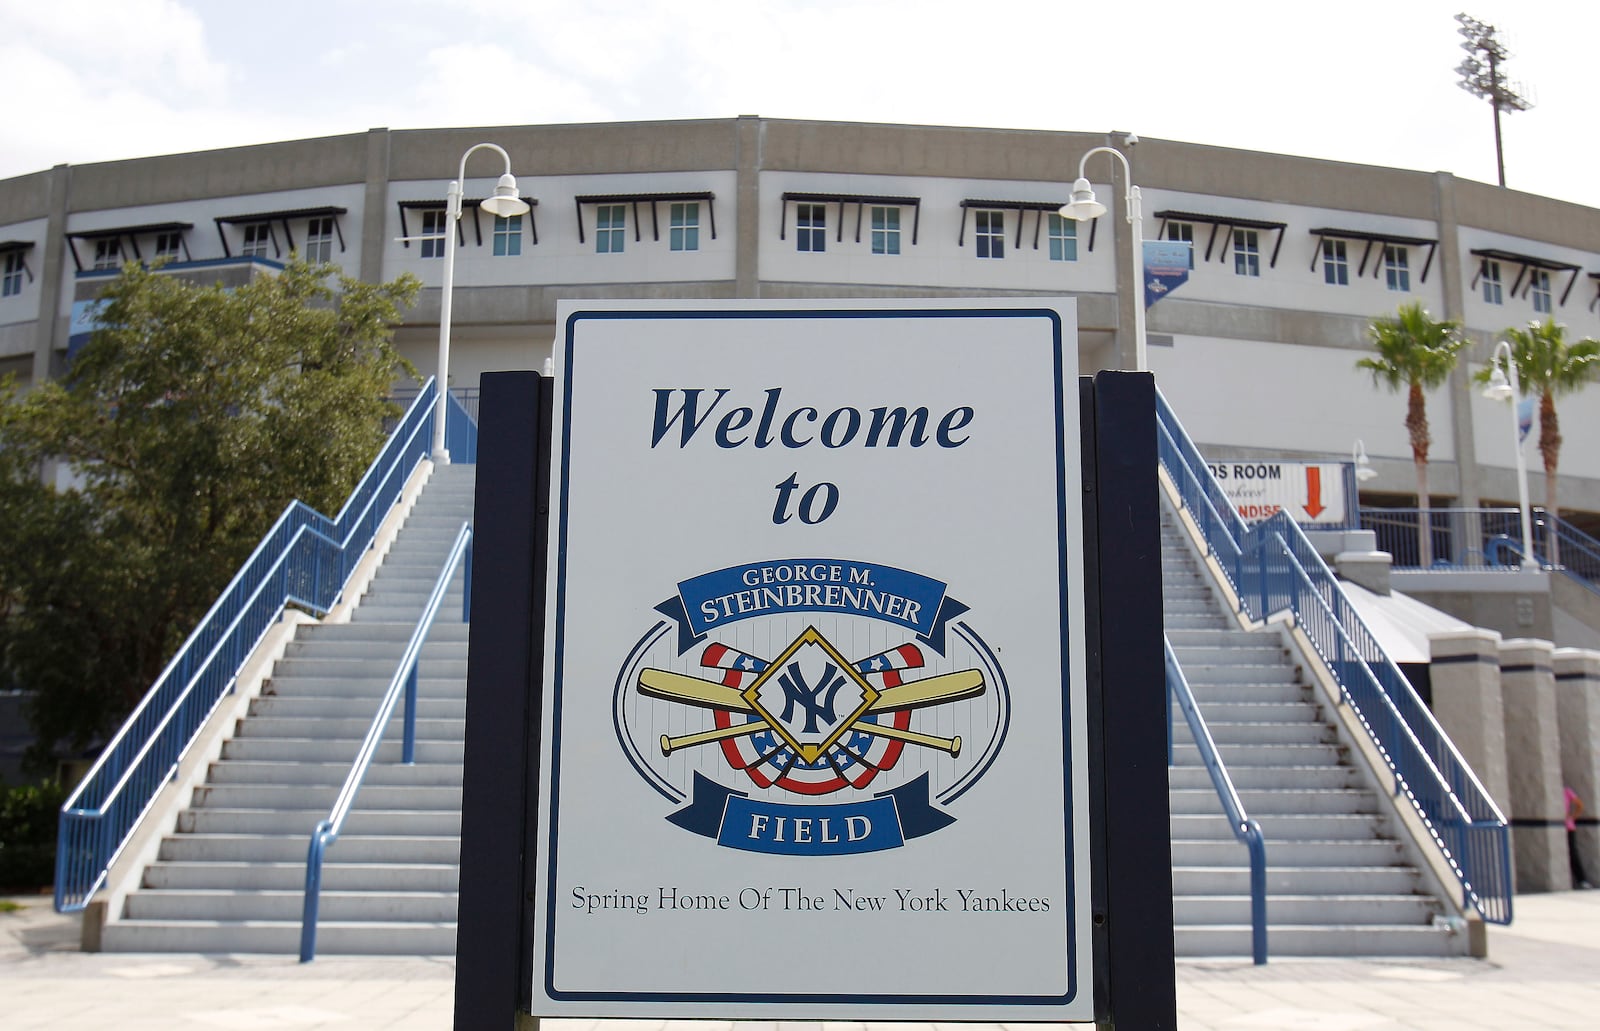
x: 708, y: 694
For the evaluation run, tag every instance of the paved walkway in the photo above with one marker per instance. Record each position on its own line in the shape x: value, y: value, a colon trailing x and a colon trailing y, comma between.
x: 1543, y: 972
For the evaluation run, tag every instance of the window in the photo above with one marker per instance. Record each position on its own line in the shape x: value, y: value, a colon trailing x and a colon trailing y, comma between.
x: 108, y: 253
x: 1539, y: 290
x: 810, y: 227
x: 684, y: 234
x: 610, y: 221
x: 989, y: 230
x: 885, y: 230
x: 1183, y: 232
x: 1335, y: 263
x: 168, y: 246
x: 1491, y: 283
x: 319, y: 240
x: 434, y: 226
x: 11, y: 277
x: 1397, y: 268
x: 257, y: 240
x: 507, y: 236
x: 1063, y: 239
x: 1246, y: 252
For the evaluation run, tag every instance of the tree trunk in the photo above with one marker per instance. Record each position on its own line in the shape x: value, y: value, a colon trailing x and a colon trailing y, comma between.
x: 1424, y: 518
x: 1550, y: 450
x: 1417, y: 427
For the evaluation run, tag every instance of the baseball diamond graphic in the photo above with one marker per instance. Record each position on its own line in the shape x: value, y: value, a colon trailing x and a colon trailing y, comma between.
x: 797, y: 712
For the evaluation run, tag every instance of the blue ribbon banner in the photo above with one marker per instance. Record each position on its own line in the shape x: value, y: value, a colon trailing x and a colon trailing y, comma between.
x: 1166, y: 267
x: 911, y: 600
x: 884, y: 821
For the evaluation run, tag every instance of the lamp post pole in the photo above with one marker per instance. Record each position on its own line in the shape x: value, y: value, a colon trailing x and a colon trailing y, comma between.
x: 1083, y: 207
x: 1500, y: 389
x: 505, y: 203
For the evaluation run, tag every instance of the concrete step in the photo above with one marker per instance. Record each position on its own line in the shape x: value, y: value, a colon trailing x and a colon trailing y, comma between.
x: 289, y: 749
x: 1278, y: 827
x: 399, y: 907
x: 1248, y: 777
x: 1321, y: 940
x: 281, y: 937
x: 369, y: 686
x: 398, y: 633
x: 390, y: 823
x: 345, y: 729
x: 321, y: 707
x: 426, y: 667
x: 1227, y: 733
x: 269, y: 876
x: 1291, y: 880
x: 1200, y: 674
x: 387, y: 650
x: 1409, y: 910
x: 380, y: 773
x: 1256, y: 710
x: 1261, y: 803
x: 298, y: 797
x: 1223, y: 850
x: 352, y: 847
x: 1261, y: 755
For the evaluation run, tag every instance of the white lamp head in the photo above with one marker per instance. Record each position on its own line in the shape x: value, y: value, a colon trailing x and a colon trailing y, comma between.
x: 1364, y: 469
x: 505, y: 203
x: 1083, y: 207
x: 1498, y: 389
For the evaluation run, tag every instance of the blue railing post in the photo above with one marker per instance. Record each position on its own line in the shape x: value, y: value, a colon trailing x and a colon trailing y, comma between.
x: 408, y: 749
x: 466, y: 586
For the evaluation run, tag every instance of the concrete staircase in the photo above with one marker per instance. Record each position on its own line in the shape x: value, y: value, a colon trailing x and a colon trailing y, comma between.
x: 1338, y: 883
x: 232, y: 876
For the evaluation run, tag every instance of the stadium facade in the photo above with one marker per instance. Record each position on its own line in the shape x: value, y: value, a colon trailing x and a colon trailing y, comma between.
x: 1292, y: 257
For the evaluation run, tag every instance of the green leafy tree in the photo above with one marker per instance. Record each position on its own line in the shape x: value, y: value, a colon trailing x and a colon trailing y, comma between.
x: 1549, y: 367
x: 1414, y: 353
x: 182, y: 429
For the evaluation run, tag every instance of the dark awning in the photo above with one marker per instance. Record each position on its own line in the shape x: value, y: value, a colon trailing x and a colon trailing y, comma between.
x: 860, y: 200
x: 1371, y: 238
x: 1228, y: 222
x: 1524, y: 262
x: 467, y: 204
x: 282, y: 217
x: 1039, y: 206
x: 651, y: 199
x: 130, y: 233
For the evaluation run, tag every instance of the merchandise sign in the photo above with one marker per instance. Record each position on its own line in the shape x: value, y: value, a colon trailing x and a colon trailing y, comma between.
x: 814, y: 737
x: 1313, y: 494
x: 1166, y: 267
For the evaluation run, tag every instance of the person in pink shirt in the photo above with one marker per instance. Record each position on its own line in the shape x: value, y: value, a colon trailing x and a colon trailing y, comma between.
x: 1574, y: 810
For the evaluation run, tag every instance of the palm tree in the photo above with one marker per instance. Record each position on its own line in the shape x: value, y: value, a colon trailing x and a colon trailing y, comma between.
x: 1416, y: 353
x: 1549, y: 366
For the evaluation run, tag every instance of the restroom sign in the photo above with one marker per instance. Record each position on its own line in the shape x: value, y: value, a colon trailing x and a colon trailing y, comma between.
x: 814, y: 731
x: 1313, y: 494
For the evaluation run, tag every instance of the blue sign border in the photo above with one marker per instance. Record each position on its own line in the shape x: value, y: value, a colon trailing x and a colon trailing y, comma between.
x: 559, y: 641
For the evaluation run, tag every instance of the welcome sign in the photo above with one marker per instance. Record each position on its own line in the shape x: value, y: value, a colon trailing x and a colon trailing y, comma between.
x: 814, y: 730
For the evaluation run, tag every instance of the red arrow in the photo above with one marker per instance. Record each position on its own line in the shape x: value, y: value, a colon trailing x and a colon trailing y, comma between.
x: 1314, y: 506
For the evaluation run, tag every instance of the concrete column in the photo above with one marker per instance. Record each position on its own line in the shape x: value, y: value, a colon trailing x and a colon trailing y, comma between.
x: 375, y: 207
x: 1578, y: 710
x: 1448, y: 268
x: 55, y: 277
x: 749, y: 141
x: 1465, y: 671
x: 1533, y: 765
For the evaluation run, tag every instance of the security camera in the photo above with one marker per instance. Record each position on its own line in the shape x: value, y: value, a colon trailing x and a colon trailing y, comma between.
x: 1130, y: 139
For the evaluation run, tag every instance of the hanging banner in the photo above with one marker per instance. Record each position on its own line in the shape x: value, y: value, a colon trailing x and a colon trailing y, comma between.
x: 814, y: 731
x: 1166, y: 267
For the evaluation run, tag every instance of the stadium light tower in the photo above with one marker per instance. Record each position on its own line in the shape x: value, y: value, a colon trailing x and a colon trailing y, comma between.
x: 1484, y: 79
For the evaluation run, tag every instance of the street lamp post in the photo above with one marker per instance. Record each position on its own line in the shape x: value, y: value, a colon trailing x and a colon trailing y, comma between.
x: 1501, y: 389
x: 1083, y: 208
x: 506, y: 204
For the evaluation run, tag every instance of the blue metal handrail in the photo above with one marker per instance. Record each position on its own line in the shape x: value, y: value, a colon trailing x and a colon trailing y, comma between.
x: 404, y: 682
x: 1273, y: 568
x: 1246, y: 830
x: 305, y: 560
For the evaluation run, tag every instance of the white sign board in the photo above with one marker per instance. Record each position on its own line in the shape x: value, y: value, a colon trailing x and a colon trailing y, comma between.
x: 814, y: 707
x: 1312, y: 493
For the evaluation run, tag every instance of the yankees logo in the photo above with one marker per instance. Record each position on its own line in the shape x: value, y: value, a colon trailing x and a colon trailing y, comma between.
x: 811, y: 721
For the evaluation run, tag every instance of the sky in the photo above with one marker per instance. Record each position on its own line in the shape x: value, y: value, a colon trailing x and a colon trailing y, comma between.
x: 1359, y: 81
